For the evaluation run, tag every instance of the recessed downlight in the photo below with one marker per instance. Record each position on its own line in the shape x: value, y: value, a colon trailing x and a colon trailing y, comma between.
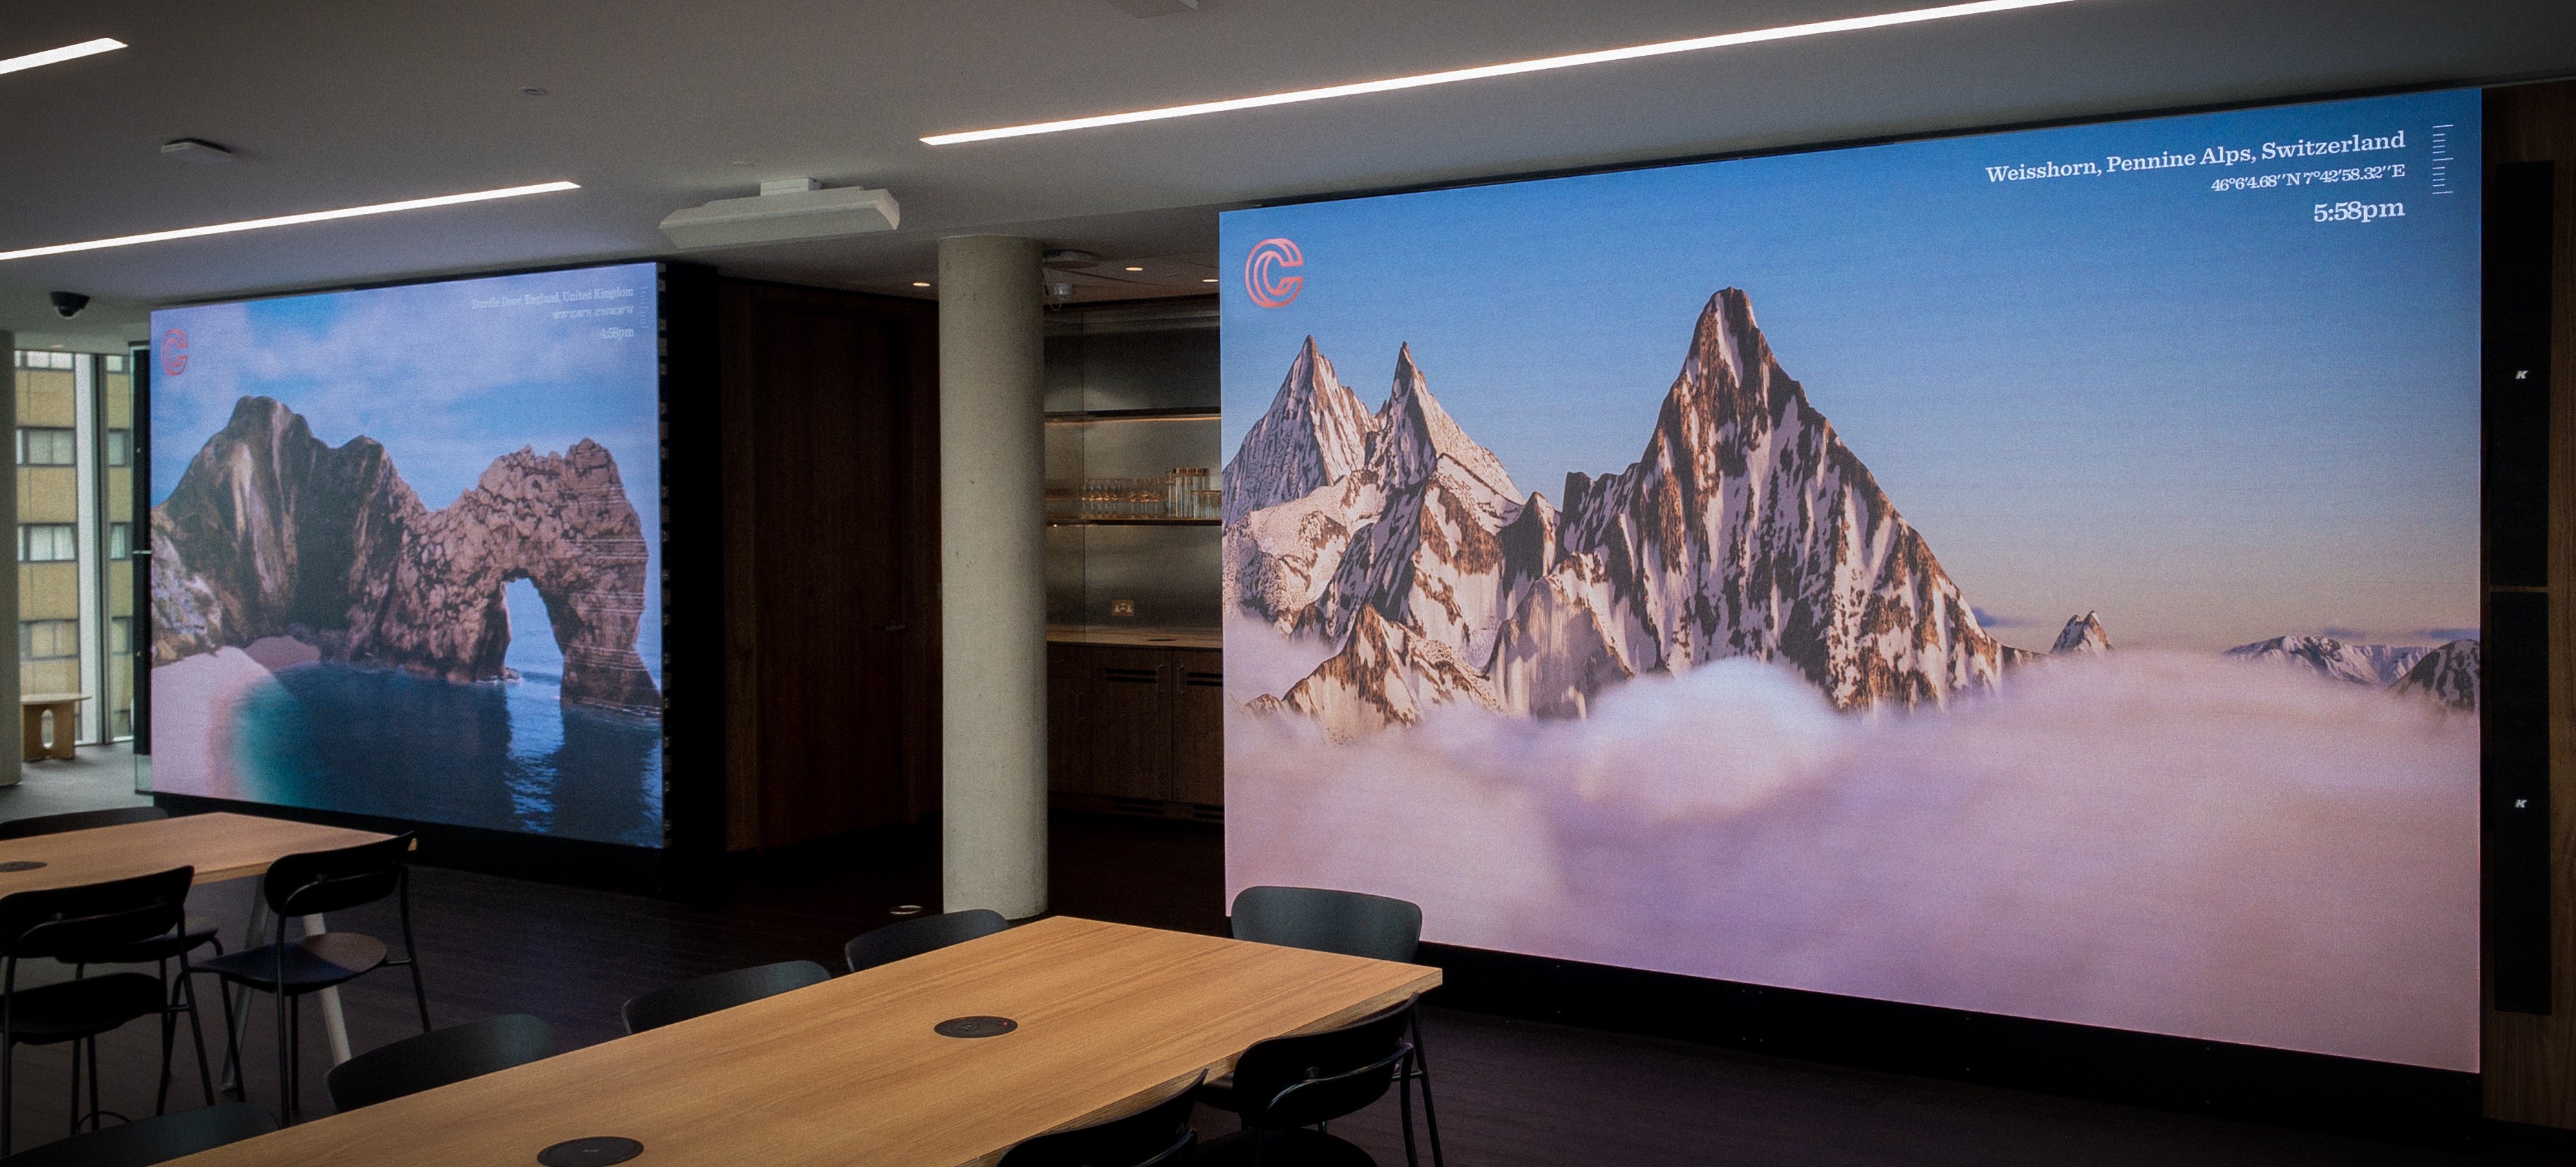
x: 89, y: 48
x: 1135, y: 269
x: 1208, y: 280
x: 1505, y: 69
x: 921, y: 283
x: 473, y: 196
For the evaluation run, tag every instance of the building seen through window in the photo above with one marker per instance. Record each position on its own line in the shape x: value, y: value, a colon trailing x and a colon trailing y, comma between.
x: 48, y: 639
x: 48, y: 543
x: 76, y: 534
x: 47, y: 446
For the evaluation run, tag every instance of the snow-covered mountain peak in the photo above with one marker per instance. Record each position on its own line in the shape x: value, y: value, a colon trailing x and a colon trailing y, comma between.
x: 1314, y: 433
x: 2082, y: 635
x: 1414, y: 433
x: 2361, y: 664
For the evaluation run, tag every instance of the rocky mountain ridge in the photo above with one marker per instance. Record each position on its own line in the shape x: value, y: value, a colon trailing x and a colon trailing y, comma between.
x: 2361, y: 664
x: 1745, y: 528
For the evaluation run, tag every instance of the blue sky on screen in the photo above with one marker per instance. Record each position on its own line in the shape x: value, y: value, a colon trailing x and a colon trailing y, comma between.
x: 448, y: 376
x: 2200, y: 411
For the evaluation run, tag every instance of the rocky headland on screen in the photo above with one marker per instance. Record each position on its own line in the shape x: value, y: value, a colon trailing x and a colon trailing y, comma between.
x: 271, y: 533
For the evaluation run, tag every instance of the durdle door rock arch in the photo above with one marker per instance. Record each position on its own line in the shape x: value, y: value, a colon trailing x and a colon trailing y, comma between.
x: 271, y: 532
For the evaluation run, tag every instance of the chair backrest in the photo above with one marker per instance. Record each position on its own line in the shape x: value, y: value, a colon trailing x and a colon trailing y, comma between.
x: 70, y: 921
x: 723, y: 990
x: 916, y: 936
x: 1309, y: 1078
x: 439, y: 1057
x: 146, y: 1141
x: 79, y: 820
x: 1348, y: 922
x: 1156, y: 1135
x: 330, y: 881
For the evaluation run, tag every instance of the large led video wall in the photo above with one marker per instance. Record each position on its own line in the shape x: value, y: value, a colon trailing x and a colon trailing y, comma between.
x: 405, y: 553
x: 2031, y: 573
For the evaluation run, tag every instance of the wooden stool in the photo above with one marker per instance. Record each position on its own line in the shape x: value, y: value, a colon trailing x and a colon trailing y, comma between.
x: 32, y: 708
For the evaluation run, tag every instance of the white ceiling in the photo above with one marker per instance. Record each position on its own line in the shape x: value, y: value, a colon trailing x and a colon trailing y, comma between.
x: 653, y: 105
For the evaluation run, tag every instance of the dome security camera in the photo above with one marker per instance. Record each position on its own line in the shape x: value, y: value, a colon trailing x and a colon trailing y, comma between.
x: 69, y: 304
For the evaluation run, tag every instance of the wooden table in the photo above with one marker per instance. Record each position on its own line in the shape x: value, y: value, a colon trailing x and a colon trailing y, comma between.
x: 32, y: 708
x: 849, y: 1072
x: 220, y: 846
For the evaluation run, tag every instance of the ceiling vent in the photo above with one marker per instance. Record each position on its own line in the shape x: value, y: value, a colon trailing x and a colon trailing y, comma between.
x: 785, y: 211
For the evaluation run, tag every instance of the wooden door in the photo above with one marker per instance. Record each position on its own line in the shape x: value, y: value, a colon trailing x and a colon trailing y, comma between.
x: 823, y: 395
x: 1131, y: 722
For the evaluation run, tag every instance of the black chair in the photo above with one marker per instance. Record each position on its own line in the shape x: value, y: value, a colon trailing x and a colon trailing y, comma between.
x: 193, y: 933
x: 1153, y: 1137
x: 1290, y: 1084
x: 913, y: 937
x: 79, y: 820
x: 308, y: 884
x: 435, y: 1059
x: 722, y: 990
x: 1353, y: 924
x: 147, y: 1141
x: 68, y: 923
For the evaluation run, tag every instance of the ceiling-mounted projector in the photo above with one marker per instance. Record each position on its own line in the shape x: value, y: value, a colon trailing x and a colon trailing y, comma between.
x: 786, y: 211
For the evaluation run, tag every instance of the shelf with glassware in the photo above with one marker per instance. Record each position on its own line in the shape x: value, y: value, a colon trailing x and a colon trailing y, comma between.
x: 1179, y: 496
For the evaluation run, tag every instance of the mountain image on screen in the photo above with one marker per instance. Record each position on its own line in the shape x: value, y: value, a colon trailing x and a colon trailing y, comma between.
x: 1747, y: 529
x: 271, y: 533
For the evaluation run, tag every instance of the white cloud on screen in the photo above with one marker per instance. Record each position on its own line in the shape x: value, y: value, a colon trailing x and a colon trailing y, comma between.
x: 2154, y: 841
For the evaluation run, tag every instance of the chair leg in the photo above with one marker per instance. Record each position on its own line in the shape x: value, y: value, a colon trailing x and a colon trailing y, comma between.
x: 232, y: 1044
x: 295, y: 1051
x: 1404, y: 1107
x: 419, y: 993
x: 196, y: 1028
x: 97, y: 1104
x: 76, y: 1081
x: 169, y: 1033
x: 285, y: 1069
x: 1422, y: 1070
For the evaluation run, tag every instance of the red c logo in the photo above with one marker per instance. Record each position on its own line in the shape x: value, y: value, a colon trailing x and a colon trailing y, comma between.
x: 1261, y: 278
x: 174, y: 352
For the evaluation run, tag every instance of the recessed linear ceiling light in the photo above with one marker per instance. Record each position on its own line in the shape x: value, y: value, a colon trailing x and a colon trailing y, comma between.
x: 475, y: 196
x: 65, y: 53
x: 1506, y: 69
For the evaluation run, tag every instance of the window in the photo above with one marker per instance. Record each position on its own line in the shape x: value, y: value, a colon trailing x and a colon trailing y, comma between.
x: 120, y: 447
x: 120, y: 635
x: 120, y: 540
x: 48, y: 639
x: 28, y: 360
x: 47, y: 543
x: 46, y: 446
x: 116, y: 363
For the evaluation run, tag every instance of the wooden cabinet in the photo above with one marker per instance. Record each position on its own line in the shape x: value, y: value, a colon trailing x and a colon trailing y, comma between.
x: 1136, y: 730
x: 1198, y: 726
x: 1131, y: 722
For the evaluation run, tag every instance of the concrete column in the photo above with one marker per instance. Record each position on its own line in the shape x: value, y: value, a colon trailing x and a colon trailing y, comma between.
x: 992, y: 588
